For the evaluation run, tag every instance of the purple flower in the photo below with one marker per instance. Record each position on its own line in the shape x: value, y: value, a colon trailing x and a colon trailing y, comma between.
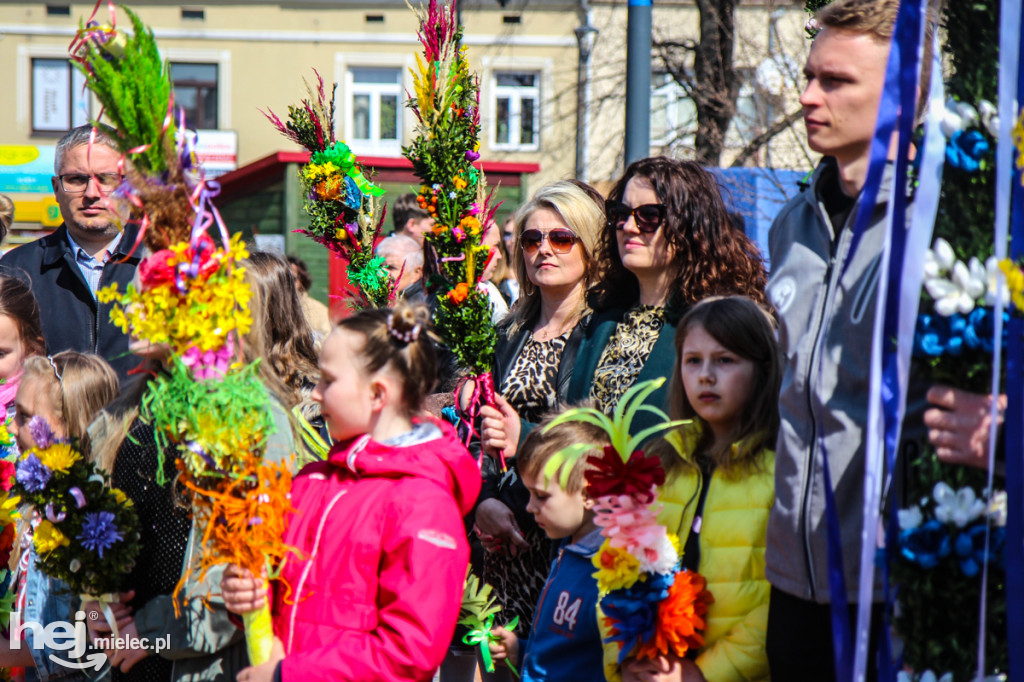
x: 41, y: 432
x: 472, y: 156
x: 32, y: 474
x: 99, y: 532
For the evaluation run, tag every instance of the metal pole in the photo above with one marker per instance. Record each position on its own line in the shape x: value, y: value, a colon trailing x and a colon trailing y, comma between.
x: 638, y: 81
x: 585, y: 35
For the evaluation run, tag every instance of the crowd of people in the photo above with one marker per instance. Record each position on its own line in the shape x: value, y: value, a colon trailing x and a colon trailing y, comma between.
x: 592, y: 295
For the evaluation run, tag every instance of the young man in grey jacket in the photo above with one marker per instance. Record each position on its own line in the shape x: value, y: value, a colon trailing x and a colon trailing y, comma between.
x: 826, y: 317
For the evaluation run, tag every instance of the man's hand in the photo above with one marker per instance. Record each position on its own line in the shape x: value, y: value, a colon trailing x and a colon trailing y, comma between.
x: 958, y: 426
x: 127, y: 656
x: 497, y: 528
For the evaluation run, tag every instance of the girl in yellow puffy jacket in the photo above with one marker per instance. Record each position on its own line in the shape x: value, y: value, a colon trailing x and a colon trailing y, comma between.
x: 720, y: 483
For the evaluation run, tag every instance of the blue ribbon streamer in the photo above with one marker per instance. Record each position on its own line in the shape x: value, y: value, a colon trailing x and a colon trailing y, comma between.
x: 1014, y: 422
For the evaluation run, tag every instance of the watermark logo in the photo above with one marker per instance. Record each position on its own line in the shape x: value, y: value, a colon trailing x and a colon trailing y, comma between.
x: 72, y: 637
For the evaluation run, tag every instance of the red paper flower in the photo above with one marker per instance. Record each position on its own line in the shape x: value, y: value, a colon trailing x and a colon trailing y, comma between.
x: 157, y: 270
x: 635, y: 477
x: 6, y: 475
x: 680, y: 617
x: 6, y: 543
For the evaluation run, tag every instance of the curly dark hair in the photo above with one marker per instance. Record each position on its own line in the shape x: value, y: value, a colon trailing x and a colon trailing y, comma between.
x: 710, y: 258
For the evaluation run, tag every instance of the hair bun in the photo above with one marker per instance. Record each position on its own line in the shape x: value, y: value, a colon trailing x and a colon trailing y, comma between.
x: 406, y: 322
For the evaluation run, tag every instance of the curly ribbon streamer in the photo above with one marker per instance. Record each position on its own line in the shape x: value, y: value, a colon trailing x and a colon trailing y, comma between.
x: 342, y: 156
x: 79, y: 496
x: 259, y: 634
x: 483, y: 394
x: 54, y: 517
x: 483, y: 636
x: 104, y: 601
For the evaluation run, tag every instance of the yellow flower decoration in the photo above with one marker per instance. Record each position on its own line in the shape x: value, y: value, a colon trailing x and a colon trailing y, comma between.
x: 9, y: 509
x: 202, y: 316
x: 47, y: 538
x: 1014, y: 282
x: 459, y: 183
x: 58, y: 457
x: 120, y: 497
x: 471, y: 224
x: 616, y: 568
x: 1018, y: 141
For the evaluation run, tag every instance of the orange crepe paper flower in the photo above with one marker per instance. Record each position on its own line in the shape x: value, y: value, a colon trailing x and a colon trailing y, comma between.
x: 680, y: 618
x: 459, y: 293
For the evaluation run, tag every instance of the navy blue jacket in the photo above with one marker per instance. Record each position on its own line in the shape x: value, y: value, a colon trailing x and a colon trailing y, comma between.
x: 72, y: 318
x: 565, y: 642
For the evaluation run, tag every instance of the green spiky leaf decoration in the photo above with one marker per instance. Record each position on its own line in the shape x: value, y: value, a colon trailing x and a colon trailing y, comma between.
x: 617, y: 426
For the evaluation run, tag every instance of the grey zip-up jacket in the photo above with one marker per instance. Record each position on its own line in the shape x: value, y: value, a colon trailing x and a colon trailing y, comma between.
x: 826, y: 319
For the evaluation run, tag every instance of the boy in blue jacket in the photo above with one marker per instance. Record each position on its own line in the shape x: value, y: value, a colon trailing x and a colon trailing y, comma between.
x: 565, y: 642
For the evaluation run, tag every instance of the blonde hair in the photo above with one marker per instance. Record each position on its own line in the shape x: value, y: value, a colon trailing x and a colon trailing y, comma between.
x: 77, y: 386
x: 545, y: 441
x: 581, y: 214
x: 6, y: 215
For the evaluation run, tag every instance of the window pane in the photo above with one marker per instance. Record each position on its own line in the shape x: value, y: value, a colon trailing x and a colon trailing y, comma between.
x: 659, y: 117
x: 527, y: 129
x: 361, y: 117
x: 187, y: 97
x: 51, y: 94
x: 209, y: 108
x: 186, y: 71
x: 502, y: 123
x: 389, y: 117
x: 370, y: 75
x: 517, y: 80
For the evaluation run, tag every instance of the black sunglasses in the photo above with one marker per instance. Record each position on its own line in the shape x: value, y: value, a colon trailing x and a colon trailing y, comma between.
x: 560, y: 239
x: 648, y: 217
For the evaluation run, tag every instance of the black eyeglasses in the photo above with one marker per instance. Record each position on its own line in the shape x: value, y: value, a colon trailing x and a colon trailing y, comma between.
x: 648, y: 217
x: 75, y: 183
x: 560, y: 238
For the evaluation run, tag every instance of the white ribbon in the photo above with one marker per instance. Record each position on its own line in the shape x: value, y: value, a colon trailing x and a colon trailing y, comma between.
x: 919, y: 236
x: 1009, y: 54
x: 104, y: 601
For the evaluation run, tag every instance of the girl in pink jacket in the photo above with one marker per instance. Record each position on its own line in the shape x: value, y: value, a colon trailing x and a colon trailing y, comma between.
x: 374, y: 589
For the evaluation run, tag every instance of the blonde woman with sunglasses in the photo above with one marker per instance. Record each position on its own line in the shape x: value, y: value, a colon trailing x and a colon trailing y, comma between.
x: 555, y: 242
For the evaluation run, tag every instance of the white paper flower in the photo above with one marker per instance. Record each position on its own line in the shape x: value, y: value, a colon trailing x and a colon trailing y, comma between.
x: 997, y: 508
x: 968, y: 114
x: 996, y: 280
x: 957, y: 507
x: 660, y: 557
x: 989, y: 116
x: 951, y: 123
x: 910, y: 518
x: 960, y: 291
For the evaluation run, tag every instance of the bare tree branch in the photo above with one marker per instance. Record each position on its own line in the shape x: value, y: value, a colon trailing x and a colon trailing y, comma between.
x: 761, y: 140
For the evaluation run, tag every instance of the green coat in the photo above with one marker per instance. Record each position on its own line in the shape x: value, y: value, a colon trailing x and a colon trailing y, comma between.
x: 660, y: 363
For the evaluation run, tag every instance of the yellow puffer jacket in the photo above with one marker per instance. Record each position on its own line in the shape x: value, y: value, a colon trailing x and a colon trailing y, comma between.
x: 732, y: 546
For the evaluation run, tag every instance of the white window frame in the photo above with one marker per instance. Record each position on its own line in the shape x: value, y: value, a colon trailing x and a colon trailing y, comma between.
x: 677, y: 105
x: 544, y: 68
x: 222, y: 58
x: 25, y: 91
x: 348, y: 88
x: 516, y: 94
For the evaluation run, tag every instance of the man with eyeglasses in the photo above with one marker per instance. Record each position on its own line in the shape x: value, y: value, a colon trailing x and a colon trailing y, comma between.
x: 88, y: 252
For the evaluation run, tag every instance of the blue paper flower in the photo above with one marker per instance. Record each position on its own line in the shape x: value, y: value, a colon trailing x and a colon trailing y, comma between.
x: 981, y: 328
x: 966, y: 149
x: 970, y: 548
x: 926, y: 544
x: 41, y: 432
x: 32, y: 474
x: 99, y: 532
x: 635, y: 610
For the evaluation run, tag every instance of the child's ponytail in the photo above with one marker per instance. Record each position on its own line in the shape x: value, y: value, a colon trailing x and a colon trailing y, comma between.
x: 402, y: 339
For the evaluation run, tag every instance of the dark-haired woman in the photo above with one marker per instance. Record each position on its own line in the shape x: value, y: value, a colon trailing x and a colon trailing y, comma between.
x: 667, y: 243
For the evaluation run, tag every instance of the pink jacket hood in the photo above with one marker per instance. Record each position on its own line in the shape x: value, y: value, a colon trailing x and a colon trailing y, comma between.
x: 443, y: 460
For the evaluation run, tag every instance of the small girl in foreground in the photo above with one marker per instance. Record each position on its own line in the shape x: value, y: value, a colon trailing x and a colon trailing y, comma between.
x: 21, y: 337
x: 374, y: 589
x: 720, y: 483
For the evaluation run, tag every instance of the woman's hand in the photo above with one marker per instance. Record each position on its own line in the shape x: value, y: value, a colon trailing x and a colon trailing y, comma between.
x: 125, y: 658
x: 242, y: 591
x: 96, y: 622
x: 506, y: 648
x: 500, y: 428
x: 497, y: 528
